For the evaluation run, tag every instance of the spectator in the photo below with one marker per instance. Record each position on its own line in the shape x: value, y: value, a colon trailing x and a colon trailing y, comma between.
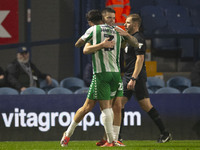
x: 2, y: 78
x: 195, y: 74
x: 22, y: 73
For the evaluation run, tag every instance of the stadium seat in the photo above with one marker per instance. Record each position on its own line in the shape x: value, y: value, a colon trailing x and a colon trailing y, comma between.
x: 150, y: 91
x: 187, y: 44
x: 154, y: 83
x: 8, y: 91
x: 191, y: 4
x: 44, y: 85
x: 166, y: 3
x: 192, y: 89
x: 72, y: 83
x: 179, y: 82
x: 166, y: 90
x: 177, y: 17
x: 195, y: 15
x: 59, y: 90
x: 136, y: 5
x: 82, y: 90
x: 153, y: 18
x: 165, y: 47
x: 33, y: 91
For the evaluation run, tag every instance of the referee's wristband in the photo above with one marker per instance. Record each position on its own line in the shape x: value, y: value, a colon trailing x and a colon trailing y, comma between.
x: 134, y: 79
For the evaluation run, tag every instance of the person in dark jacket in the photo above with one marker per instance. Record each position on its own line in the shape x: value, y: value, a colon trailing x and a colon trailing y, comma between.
x: 2, y: 78
x: 22, y: 73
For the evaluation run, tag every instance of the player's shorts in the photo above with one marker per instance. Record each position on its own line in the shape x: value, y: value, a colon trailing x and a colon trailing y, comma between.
x: 105, y: 86
x: 140, y: 92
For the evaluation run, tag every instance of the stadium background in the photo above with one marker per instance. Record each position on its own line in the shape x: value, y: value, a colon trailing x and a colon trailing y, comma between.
x: 54, y: 27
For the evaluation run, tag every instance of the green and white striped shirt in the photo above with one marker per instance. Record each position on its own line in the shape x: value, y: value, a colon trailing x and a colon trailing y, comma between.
x: 104, y: 60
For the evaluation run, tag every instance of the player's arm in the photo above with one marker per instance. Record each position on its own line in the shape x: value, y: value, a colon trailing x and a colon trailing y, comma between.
x: 89, y: 49
x: 84, y: 38
x: 79, y: 43
x: 130, y: 39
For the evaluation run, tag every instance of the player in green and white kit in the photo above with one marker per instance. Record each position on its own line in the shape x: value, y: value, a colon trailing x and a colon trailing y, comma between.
x: 106, y: 79
x: 106, y: 83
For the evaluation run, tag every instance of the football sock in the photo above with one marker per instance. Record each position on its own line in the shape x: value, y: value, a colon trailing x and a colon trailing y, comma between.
x: 108, y: 123
x: 112, y: 113
x: 71, y: 129
x: 156, y: 118
x: 116, y: 132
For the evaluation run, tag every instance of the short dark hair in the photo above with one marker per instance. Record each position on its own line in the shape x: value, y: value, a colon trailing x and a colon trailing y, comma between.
x: 107, y: 9
x: 94, y: 16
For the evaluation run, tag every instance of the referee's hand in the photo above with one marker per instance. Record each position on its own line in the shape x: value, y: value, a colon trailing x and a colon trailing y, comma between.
x: 131, y: 85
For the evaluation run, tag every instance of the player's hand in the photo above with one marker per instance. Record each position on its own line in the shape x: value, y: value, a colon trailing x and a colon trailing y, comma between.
x: 131, y: 85
x: 108, y: 44
x: 121, y: 32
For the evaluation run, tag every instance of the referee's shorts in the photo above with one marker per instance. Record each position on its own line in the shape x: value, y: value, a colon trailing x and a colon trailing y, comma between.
x: 140, y: 91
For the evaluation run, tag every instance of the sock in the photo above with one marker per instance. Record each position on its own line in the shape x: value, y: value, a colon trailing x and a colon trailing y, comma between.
x: 116, y: 132
x: 156, y: 118
x: 104, y: 136
x: 122, y: 123
x: 112, y: 113
x: 71, y: 129
x: 108, y: 123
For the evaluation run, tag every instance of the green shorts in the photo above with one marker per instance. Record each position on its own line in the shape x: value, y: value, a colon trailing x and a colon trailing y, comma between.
x: 105, y: 86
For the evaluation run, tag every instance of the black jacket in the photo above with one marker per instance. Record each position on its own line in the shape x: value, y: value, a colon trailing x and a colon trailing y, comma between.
x: 18, y: 78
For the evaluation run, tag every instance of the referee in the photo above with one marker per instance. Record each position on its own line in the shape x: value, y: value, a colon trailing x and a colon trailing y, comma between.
x: 135, y: 77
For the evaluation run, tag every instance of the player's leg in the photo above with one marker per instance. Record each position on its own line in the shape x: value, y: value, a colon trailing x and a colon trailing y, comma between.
x: 117, y: 117
x: 117, y: 87
x: 116, y: 106
x: 123, y: 103
x: 127, y: 94
x: 81, y: 112
x: 107, y: 119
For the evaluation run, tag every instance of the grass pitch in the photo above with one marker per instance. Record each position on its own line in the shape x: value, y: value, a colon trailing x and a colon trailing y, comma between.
x: 90, y: 145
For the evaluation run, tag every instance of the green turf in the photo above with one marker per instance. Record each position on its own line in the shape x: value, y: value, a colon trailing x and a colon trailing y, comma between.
x: 90, y: 145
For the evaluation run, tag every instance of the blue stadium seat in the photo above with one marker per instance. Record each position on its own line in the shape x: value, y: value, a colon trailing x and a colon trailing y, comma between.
x: 60, y: 90
x: 166, y: 3
x: 191, y: 4
x: 72, y: 83
x: 44, y: 85
x: 136, y: 5
x: 33, y: 91
x: 187, y: 44
x: 154, y: 83
x: 179, y: 82
x: 195, y: 15
x: 8, y: 91
x: 150, y: 91
x: 82, y: 90
x: 153, y: 18
x: 167, y: 90
x: 165, y: 47
x: 192, y: 89
x: 177, y: 17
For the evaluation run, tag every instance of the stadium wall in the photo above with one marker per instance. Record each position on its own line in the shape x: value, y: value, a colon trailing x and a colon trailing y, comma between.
x: 46, y: 117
